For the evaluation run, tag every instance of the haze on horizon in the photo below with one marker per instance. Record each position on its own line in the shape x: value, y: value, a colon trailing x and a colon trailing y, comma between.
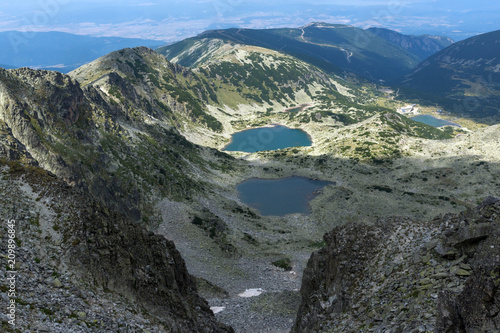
x: 174, y: 20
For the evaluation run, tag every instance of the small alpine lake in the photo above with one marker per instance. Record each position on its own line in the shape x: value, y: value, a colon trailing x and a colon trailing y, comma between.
x: 433, y: 121
x: 279, y: 197
x: 268, y: 138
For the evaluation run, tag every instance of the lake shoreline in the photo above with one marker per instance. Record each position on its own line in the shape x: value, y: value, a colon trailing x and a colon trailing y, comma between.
x: 433, y: 121
x: 293, y: 197
x: 258, y: 142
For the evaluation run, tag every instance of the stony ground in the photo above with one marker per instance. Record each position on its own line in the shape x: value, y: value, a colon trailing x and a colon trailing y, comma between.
x: 48, y: 296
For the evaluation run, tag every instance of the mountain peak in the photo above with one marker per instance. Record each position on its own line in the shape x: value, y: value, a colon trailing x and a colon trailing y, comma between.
x: 332, y: 47
x: 325, y: 25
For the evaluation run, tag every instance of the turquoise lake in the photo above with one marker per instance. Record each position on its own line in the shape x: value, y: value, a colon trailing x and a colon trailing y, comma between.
x: 268, y: 138
x: 279, y: 197
x: 433, y: 121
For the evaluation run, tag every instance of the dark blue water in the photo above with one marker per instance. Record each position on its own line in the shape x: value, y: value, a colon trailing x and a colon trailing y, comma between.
x: 268, y: 138
x: 433, y: 121
x: 279, y: 197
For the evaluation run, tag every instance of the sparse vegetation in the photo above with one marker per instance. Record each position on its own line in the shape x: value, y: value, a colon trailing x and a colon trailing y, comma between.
x: 284, y: 263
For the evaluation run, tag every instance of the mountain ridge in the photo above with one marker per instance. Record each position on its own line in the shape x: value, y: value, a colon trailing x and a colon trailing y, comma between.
x: 78, y: 245
x: 428, y: 273
x: 327, y: 46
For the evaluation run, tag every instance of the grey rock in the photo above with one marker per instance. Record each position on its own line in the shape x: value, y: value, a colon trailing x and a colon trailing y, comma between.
x: 57, y: 283
x: 467, y: 303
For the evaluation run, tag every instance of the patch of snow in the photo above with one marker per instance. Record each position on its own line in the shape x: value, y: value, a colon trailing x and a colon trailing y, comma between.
x: 217, y: 309
x: 251, y: 292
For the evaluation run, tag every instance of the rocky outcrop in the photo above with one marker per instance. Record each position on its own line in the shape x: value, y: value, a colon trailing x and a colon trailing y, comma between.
x: 110, y: 159
x: 475, y: 234
x: 143, y: 84
x: 36, y: 104
x: 330, y: 275
x: 403, y: 276
x: 88, y: 250
x: 123, y: 257
x: 113, y: 138
x: 51, y: 123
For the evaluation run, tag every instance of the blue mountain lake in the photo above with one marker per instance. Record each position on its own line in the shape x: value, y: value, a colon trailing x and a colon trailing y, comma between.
x: 433, y: 121
x: 279, y: 197
x: 268, y: 138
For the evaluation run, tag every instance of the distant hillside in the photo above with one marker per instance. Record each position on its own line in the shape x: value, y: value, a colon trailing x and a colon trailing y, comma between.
x: 422, y: 46
x: 60, y: 51
x: 464, y: 77
x: 331, y: 47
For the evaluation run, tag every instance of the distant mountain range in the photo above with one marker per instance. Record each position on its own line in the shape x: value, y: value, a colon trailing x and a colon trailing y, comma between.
x: 59, y: 51
x: 377, y: 54
x: 464, y: 77
x: 460, y: 77
x: 331, y: 47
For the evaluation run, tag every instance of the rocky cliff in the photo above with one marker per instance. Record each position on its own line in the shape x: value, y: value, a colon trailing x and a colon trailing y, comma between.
x: 111, y: 138
x: 405, y: 276
x: 81, y: 267
x: 34, y: 106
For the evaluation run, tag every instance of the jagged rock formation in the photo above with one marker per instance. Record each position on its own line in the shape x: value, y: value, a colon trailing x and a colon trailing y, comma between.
x: 93, y: 139
x: 141, y: 79
x: 35, y: 104
x: 124, y: 257
x: 89, y: 250
x: 101, y: 149
x: 403, y: 276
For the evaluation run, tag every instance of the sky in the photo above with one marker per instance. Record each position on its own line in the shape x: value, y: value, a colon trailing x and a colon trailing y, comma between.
x: 173, y: 20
